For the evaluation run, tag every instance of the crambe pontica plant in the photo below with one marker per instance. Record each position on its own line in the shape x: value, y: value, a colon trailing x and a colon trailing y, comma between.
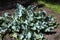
x: 28, y: 23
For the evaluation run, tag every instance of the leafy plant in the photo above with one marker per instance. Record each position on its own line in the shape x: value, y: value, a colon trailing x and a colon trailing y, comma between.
x: 28, y: 23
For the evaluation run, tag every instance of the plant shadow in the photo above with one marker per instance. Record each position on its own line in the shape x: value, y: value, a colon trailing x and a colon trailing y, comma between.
x: 49, y: 33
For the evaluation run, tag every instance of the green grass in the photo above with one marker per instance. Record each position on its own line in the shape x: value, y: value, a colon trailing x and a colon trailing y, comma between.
x: 54, y: 7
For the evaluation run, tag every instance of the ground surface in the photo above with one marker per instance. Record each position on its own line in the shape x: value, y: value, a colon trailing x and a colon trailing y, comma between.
x: 55, y: 36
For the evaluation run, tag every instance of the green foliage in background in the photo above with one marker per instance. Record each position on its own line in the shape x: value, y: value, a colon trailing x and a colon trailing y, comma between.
x: 53, y: 6
x: 52, y: 1
x: 27, y: 23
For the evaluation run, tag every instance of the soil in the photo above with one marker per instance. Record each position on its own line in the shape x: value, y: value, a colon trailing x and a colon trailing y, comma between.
x: 54, y: 36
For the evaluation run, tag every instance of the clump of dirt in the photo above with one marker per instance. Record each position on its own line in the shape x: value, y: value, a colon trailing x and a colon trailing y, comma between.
x: 57, y: 37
